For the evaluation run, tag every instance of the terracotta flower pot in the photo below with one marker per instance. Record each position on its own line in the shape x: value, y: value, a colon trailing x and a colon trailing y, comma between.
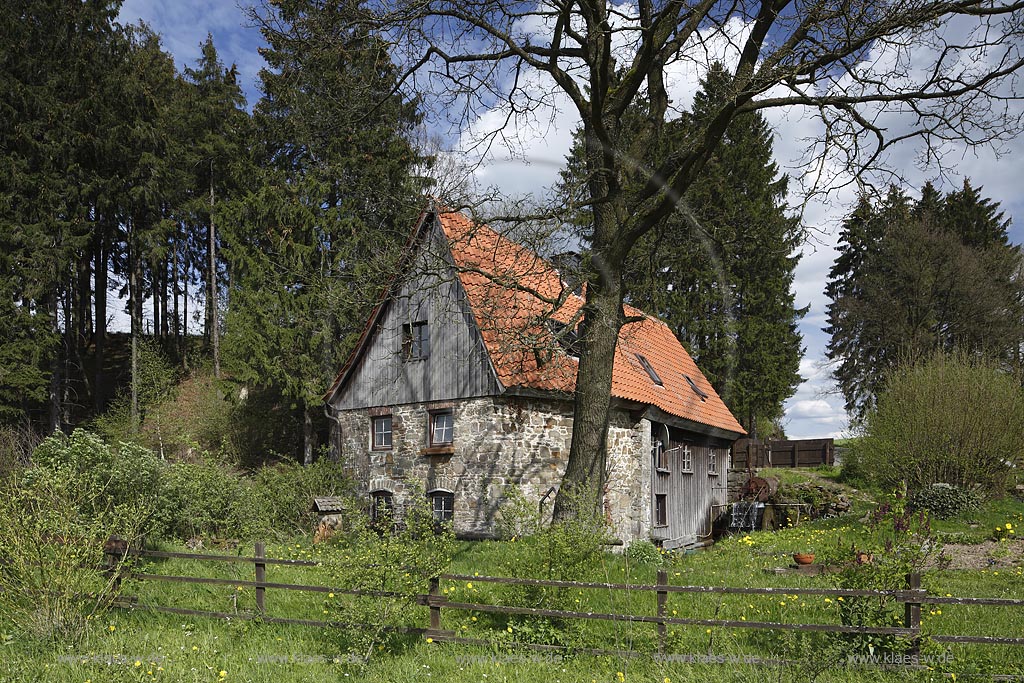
x: 803, y: 558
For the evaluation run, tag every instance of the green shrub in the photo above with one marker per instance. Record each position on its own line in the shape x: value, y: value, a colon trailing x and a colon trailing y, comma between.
x: 52, y: 531
x: 207, y: 499
x: 108, y: 476
x: 285, y: 493
x: 643, y: 552
x: 951, y: 419
x: 564, y: 550
x: 396, y: 566
x: 944, y: 501
x: 900, y: 541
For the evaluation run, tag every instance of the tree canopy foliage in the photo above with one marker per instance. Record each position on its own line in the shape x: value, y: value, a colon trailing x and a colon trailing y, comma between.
x: 916, y: 277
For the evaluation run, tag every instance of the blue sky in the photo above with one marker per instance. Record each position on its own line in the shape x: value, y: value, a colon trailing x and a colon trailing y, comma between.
x: 534, y: 158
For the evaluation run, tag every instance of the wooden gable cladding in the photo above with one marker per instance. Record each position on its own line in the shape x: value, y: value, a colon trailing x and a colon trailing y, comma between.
x: 455, y: 364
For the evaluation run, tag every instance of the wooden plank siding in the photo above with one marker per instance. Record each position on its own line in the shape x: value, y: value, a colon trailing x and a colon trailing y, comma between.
x: 693, y: 496
x: 457, y: 365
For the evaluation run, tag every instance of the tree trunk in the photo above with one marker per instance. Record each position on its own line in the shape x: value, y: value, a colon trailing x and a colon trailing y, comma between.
x: 184, y: 311
x: 135, y: 303
x: 100, y: 269
x: 308, y: 436
x: 214, y: 333
x: 586, y: 470
x: 56, y: 380
x: 164, y: 322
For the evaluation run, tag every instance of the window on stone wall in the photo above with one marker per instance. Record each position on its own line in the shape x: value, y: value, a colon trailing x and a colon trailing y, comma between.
x: 660, y: 509
x: 382, y: 507
x: 381, y: 432
x: 442, y: 428
x: 443, y: 504
x: 685, y: 459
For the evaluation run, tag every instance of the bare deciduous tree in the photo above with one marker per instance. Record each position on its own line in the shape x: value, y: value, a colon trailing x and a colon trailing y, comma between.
x: 944, y: 71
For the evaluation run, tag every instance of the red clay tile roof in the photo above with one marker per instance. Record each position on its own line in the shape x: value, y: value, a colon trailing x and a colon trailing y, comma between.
x: 500, y: 278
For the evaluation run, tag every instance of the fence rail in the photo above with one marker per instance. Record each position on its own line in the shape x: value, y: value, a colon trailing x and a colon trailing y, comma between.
x: 912, y: 597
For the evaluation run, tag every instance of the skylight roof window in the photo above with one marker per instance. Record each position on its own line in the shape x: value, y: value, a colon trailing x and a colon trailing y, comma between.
x: 650, y: 370
x: 697, y: 390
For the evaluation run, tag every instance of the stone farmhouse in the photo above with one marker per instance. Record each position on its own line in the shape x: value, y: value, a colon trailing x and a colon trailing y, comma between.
x: 461, y: 385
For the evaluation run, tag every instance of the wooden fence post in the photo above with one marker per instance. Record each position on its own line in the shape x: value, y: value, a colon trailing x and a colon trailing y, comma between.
x: 662, y: 601
x: 261, y: 577
x: 435, y: 609
x: 912, y: 614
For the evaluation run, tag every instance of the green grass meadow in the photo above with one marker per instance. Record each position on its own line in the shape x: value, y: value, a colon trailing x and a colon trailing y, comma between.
x: 140, y: 645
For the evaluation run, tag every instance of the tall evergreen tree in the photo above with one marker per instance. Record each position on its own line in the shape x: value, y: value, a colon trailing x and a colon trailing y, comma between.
x: 217, y: 122
x: 720, y: 269
x: 913, y: 278
x: 333, y: 192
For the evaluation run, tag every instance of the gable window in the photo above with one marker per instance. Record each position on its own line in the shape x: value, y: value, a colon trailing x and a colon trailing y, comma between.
x: 660, y: 509
x: 381, y: 432
x: 442, y: 428
x: 713, y: 461
x: 382, y: 507
x: 650, y: 370
x: 685, y: 459
x: 415, y: 340
x: 443, y: 504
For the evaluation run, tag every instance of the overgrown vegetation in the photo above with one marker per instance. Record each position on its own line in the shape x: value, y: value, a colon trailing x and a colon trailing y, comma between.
x: 52, y: 534
x: 952, y: 419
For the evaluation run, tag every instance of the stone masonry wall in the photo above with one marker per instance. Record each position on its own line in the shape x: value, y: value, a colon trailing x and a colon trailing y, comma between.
x: 498, y: 442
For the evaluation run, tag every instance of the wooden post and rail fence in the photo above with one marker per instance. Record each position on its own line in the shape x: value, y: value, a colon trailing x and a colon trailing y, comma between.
x: 913, y: 597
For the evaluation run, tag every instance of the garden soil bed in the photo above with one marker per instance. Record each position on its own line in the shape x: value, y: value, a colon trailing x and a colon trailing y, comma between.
x: 983, y: 555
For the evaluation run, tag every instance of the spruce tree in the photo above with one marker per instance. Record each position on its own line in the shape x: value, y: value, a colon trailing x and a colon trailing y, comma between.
x: 913, y: 278
x: 332, y: 193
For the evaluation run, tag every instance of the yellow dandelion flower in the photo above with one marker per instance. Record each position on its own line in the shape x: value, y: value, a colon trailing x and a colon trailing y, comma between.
x: 430, y: 640
x: 223, y: 674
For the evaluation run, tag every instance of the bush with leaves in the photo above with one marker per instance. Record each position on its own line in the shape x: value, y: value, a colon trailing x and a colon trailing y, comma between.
x: 390, y: 565
x: 52, y: 533
x: 564, y: 550
x: 207, y: 498
x: 951, y: 419
x: 944, y: 501
x: 285, y: 492
x: 900, y: 542
x: 109, y: 476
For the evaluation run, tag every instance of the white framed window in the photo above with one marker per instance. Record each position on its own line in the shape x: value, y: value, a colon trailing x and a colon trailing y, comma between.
x: 685, y: 459
x: 713, y: 461
x: 382, y: 507
x: 381, y: 426
x: 442, y: 428
x: 443, y: 504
